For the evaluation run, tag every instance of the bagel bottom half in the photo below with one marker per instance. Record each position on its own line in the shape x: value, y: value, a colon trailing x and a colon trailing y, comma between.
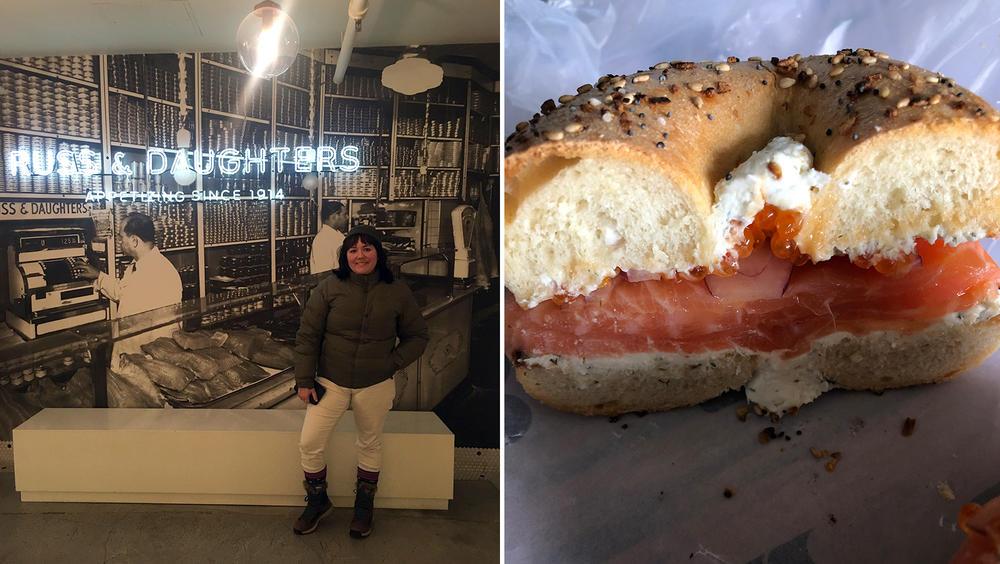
x: 659, y: 382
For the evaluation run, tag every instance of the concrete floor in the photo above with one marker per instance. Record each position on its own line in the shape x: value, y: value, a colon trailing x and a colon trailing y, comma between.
x: 87, y: 532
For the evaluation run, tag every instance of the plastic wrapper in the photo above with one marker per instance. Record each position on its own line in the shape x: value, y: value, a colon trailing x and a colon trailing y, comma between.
x: 698, y: 484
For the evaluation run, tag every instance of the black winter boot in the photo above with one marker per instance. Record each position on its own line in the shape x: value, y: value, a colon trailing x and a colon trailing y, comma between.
x: 364, y: 508
x: 317, y: 507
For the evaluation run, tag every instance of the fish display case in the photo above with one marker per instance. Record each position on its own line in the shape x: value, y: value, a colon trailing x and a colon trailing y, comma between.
x: 231, y: 349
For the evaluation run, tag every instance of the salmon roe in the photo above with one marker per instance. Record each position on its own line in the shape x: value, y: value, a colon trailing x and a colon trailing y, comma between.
x: 780, y: 227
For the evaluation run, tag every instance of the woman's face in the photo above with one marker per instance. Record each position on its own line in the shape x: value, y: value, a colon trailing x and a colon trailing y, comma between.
x: 362, y: 257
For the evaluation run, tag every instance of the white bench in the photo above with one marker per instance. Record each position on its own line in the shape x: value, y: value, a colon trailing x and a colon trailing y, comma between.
x: 231, y: 456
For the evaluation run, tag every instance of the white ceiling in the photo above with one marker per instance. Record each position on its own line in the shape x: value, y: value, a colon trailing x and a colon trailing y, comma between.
x: 53, y: 27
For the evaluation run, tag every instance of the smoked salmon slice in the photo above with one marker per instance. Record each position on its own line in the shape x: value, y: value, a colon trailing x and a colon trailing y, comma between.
x: 767, y: 309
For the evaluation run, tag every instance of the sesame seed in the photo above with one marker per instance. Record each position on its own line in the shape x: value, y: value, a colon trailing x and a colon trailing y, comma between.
x: 661, y: 120
x: 668, y: 114
x: 829, y: 132
x: 935, y: 99
x: 809, y: 72
x: 722, y: 67
x: 666, y: 135
x: 906, y: 66
x: 660, y: 144
x: 729, y: 176
x: 698, y: 102
x: 813, y: 81
x: 856, y: 136
x: 697, y: 86
x: 661, y: 66
x: 628, y: 99
x: 837, y: 82
x: 594, y: 102
x: 932, y: 79
x: 521, y: 126
x: 881, y: 55
x: 642, y: 126
x: 606, y: 116
x: 869, y: 60
x: 753, y: 58
x: 608, y: 99
x: 883, y: 92
x: 573, y: 127
x: 553, y: 135
x: 837, y: 58
x: 565, y: 98
x: 584, y: 89
x: 895, y: 75
x: 629, y: 133
x: 640, y: 78
x: 618, y: 83
x: 764, y: 82
x: 786, y: 82
x: 903, y: 103
x: 822, y: 86
x: 994, y: 117
x: 710, y: 117
x: 836, y: 70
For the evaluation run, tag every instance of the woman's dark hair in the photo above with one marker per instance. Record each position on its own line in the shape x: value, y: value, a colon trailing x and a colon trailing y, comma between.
x: 343, y: 270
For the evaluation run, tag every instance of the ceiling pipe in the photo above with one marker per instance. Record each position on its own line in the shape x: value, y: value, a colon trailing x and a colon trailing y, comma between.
x: 356, y: 10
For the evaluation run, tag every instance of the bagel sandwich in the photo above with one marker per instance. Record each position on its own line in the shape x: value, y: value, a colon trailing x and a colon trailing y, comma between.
x: 784, y: 226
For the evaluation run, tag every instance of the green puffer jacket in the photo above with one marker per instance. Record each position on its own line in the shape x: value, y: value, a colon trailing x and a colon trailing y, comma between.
x: 349, y: 330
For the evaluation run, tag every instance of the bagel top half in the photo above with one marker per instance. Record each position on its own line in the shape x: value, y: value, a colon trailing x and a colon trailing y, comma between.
x: 655, y: 171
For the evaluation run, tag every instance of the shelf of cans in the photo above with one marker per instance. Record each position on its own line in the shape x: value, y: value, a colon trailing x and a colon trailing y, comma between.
x: 295, y: 217
x: 438, y: 122
x: 484, y: 103
x: 372, y: 151
x: 235, y: 221
x: 220, y: 133
x: 292, y: 258
x: 293, y: 108
x: 234, y: 92
x: 433, y: 184
x: 434, y: 154
x: 153, y: 75
x: 364, y: 183
x: 298, y: 74
x: 39, y: 103
x: 80, y: 67
x: 42, y: 153
x: 355, y: 116
x: 358, y: 83
x: 173, y: 222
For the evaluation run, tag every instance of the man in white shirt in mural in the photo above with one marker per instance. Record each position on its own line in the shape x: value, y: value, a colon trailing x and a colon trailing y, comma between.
x: 326, y: 245
x: 149, y: 283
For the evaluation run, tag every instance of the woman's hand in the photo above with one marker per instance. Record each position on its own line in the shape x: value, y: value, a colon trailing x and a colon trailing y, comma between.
x: 306, y: 393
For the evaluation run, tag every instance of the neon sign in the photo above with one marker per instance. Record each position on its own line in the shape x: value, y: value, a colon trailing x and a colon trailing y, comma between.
x: 229, y: 162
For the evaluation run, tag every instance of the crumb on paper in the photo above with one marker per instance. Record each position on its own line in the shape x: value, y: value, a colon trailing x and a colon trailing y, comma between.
x: 945, y: 491
x: 728, y: 493
x: 742, y: 412
x: 833, y: 520
x: 909, y: 425
x: 817, y: 453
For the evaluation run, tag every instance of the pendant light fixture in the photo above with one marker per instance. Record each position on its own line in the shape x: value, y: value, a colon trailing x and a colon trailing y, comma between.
x: 267, y: 40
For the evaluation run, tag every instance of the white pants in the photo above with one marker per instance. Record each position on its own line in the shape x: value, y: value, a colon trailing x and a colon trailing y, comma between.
x: 370, y: 406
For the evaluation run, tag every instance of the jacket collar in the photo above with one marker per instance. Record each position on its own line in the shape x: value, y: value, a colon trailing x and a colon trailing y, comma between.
x: 365, y: 280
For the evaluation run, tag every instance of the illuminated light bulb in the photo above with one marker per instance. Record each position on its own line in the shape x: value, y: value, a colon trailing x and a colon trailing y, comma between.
x: 310, y: 182
x: 181, y: 170
x: 267, y: 41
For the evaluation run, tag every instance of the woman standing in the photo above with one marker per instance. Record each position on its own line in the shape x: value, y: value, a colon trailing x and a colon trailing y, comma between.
x: 348, y: 333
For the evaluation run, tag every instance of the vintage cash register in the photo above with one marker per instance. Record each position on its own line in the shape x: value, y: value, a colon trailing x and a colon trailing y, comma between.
x: 47, y: 292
